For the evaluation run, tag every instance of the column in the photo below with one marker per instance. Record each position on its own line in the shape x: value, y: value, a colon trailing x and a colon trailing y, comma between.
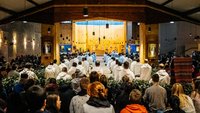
x: 56, y: 52
x: 142, y: 31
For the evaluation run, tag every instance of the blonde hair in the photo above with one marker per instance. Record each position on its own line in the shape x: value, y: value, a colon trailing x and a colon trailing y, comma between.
x: 97, y: 89
x: 177, y: 90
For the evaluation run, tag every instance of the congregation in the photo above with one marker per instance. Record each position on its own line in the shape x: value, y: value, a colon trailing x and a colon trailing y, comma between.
x: 88, y: 91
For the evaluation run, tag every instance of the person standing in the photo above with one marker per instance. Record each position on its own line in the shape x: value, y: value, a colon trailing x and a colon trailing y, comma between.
x: 145, y: 73
x: 156, y: 96
x: 97, y: 102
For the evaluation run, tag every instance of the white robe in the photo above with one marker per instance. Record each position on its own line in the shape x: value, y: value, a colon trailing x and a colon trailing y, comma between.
x: 128, y: 73
x: 64, y: 76
x: 57, y: 69
x: 163, y: 77
x: 31, y: 74
x: 86, y: 66
x: 136, y: 68
x: 62, y: 65
x: 49, y: 72
x: 116, y: 73
x: 72, y: 70
x: 81, y: 68
x: 145, y: 73
x: 98, y: 69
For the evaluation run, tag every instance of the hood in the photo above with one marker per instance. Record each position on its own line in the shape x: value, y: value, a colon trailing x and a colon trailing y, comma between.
x: 136, y: 108
x: 162, y: 73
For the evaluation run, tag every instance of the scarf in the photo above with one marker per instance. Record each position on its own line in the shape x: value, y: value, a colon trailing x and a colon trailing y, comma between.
x: 96, y: 102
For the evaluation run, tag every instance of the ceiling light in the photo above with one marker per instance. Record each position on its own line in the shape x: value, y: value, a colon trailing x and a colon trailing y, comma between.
x: 171, y: 22
x: 25, y: 22
x: 66, y: 22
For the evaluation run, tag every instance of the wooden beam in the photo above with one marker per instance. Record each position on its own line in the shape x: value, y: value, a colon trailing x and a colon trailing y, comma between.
x: 192, y: 11
x: 33, y: 2
x: 171, y: 12
x: 7, y: 10
x: 167, y: 2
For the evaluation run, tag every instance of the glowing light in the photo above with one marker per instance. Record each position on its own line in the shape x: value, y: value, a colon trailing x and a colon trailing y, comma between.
x: 25, y: 42
x: 171, y: 22
x: 33, y: 44
x: 14, y: 38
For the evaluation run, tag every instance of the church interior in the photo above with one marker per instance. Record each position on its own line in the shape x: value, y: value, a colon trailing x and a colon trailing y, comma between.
x: 100, y: 56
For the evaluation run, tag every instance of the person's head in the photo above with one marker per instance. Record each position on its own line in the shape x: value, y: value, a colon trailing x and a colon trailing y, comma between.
x: 135, y: 96
x: 79, y: 63
x: 64, y: 69
x: 155, y: 78
x: 126, y: 65
x: 52, y: 81
x: 36, y: 98
x: 104, y: 80
x: 94, y: 76
x: 125, y: 79
x: 54, y: 61
x: 177, y: 89
x: 119, y: 63
x: 97, y: 89
x: 74, y: 64
x: 84, y: 82
x: 97, y: 63
x: 53, y: 103
x: 161, y: 66
x: 14, y: 67
x: 24, y: 78
x: 174, y: 102
x: 138, y: 60
x: 28, y: 84
x: 78, y: 73
x: 146, y: 61
x: 28, y: 65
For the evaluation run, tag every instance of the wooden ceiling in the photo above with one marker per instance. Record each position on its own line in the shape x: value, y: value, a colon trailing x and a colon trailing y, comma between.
x: 131, y: 10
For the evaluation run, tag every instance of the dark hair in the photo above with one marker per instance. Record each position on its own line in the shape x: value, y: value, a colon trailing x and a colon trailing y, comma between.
x: 104, y: 80
x: 97, y: 63
x: 155, y: 78
x: 24, y: 75
x: 174, y: 102
x: 135, y: 96
x: 28, y: 84
x: 52, y: 80
x: 14, y: 67
x: 119, y: 63
x: 94, y: 76
x: 126, y: 65
x: 64, y: 69
x: 79, y: 62
x: 74, y: 64
x: 35, y: 97
x: 54, y: 61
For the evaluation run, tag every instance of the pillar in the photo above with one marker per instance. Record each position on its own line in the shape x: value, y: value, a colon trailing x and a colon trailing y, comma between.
x: 56, y: 52
x: 142, y: 31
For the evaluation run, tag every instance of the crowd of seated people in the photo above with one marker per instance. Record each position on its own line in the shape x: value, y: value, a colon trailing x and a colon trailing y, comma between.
x: 88, y: 91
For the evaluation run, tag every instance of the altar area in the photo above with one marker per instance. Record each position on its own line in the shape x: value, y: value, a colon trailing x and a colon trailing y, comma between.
x: 99, y: 36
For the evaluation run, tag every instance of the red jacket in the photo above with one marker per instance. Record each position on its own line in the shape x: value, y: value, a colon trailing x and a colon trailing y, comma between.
x: 134, y: 108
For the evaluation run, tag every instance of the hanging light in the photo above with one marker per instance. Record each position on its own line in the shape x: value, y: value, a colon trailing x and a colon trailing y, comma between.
x: 149, y: 29
x: 107, y: 25
x: 85, y: 12
x: 93, y: 33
